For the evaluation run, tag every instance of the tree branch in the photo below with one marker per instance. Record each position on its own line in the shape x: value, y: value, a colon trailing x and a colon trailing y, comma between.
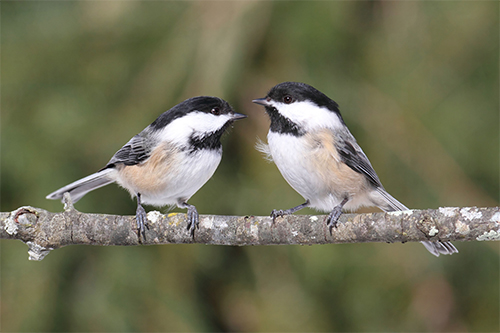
x: 43, y: 231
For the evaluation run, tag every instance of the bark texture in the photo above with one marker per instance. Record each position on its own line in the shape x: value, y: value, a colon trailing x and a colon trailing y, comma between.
x: 43, y: 231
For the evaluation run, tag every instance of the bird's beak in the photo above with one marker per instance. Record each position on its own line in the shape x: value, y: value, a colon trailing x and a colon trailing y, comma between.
x: 262, y: 101
x: 237, y: 116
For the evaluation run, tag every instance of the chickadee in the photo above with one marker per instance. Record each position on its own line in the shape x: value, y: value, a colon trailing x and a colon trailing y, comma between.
x: 168, y: 161
x: 318, y: 156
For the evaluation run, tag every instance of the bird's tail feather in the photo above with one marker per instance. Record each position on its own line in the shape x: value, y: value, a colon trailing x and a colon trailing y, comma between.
x: 82, y: 186
x: 390, y: 204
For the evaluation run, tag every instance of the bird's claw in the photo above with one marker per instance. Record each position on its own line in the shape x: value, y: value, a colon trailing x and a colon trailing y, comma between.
x: 142, y: 222
x: 277, y: 213
x: 193, y: 220
x: 333, y: 217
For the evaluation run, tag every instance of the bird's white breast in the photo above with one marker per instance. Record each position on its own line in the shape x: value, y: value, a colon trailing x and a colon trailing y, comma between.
x: 198, y: 167
x: 187, y: 177
x: 170, y: 174
x: 312, y: 166
x: 290, y: 154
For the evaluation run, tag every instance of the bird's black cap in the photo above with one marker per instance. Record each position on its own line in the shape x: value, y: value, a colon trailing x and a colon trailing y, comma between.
x: 207, y: 104
x: 288, y: 93
x: 301, y: 92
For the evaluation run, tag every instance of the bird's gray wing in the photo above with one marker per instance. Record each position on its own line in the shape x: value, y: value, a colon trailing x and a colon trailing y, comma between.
x: 137, y: 150
x: 352, y: 155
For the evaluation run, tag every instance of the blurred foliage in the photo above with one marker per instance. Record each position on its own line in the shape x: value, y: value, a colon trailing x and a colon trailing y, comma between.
x: 417, y: 82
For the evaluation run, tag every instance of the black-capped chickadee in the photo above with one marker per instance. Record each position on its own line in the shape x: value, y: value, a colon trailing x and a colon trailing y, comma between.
x: 318, y: 156
x: 168, y: 161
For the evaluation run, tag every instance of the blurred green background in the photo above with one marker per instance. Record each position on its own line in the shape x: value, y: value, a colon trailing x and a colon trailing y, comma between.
x: 417, y: 83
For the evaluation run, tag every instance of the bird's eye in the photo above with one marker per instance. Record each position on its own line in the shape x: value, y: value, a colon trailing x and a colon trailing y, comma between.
x: 215, y: 111
x: 287, y: 99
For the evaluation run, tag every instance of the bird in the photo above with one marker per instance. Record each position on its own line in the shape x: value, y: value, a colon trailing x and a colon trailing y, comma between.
x: 318, y: 156
x: 167, y: 162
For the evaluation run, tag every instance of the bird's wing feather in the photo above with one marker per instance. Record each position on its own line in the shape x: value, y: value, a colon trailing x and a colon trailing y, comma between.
x: 352, y: 155
x: 135, y: 151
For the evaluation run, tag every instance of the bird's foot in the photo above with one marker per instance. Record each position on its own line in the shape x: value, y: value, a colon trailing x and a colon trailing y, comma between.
x: 142, y: 222
x: 333, y: 217
x: 193, y: 219
x: 278, y: 213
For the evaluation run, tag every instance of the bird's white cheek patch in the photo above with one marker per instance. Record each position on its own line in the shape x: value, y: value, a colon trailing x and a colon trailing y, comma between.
x: 308, y: 115
x: 180, y: 130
